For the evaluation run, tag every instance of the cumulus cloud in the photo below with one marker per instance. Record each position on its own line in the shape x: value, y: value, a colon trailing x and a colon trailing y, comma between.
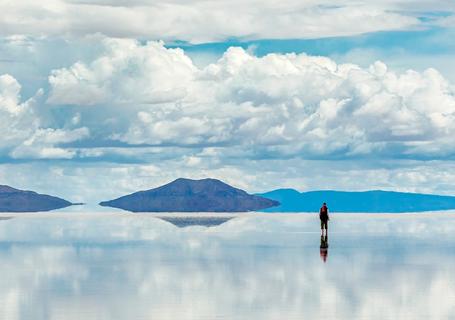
x: 255, y: 122
x: 201, y: 21
x: 22, y: 127
x: 151, y: 74
x: 42, y: 144
x: 291, y: 105
x: 17, y: 118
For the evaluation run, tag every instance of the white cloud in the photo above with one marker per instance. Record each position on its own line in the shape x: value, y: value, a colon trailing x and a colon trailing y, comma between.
x: 22, y: 129
x: 202, y: 21
x: 9, y: 94
x: 448, y: 21
x: 277, y: 105
x: 147, y: 74
x: 17, y: 118
x: 41, y: 145
x: 251, y: 121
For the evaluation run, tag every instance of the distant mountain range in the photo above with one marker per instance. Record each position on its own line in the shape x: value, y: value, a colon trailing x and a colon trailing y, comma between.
x: 14, y: 200
x: 368, y: 201
x: 211, y: 195
x: 186, y: 195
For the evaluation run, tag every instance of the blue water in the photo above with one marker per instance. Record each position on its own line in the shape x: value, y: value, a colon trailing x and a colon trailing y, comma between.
x: 250, y: 267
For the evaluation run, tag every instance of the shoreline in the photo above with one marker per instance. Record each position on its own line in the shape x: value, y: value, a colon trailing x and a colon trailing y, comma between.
x: 95, y: 214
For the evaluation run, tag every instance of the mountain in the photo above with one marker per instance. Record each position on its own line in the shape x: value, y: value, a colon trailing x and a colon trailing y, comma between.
x: 14, y: 200
x: 367, y: 201
x: 186, y: 195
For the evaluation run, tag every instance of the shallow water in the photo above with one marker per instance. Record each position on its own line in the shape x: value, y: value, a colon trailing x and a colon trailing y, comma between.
x: 255, y: 266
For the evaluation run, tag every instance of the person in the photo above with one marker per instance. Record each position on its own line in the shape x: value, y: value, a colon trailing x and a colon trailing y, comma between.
x: 324, y: 216
x: 324, y: 248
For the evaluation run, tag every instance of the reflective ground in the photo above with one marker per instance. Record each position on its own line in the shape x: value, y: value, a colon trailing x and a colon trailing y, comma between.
x: 254, y: 266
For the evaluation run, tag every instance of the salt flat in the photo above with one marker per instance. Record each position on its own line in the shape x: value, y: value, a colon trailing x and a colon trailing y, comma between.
x: 115, y: 265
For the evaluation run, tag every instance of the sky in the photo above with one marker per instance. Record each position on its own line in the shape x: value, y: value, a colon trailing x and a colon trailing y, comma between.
x: 102, y: 98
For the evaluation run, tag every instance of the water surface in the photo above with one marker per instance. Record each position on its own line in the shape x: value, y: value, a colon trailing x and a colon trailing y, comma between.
x: 255, y: 266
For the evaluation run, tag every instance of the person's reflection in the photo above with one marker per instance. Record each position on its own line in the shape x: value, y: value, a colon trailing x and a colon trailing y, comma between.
x: 324, y: 248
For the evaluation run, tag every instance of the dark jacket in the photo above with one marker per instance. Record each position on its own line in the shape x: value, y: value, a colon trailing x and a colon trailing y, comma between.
x: 324, y: 213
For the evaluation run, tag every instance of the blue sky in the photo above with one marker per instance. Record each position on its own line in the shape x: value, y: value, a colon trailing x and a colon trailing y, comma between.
x: 100, y: 98
x: 422, y: 42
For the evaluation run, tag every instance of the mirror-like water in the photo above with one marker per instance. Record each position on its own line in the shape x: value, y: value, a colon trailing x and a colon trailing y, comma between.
x: 254, y: 266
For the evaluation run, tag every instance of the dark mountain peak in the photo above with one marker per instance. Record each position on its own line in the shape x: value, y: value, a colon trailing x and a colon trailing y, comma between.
x: 208, y: 182
x: 15, y: 200
x: 7, y: 189
x: 188, y: 195
x: 183, y: 186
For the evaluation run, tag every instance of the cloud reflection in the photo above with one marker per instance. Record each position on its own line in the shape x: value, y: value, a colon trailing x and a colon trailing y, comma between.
x: 254, y: 267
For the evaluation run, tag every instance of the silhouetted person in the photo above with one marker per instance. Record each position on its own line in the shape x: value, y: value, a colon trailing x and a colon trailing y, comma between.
x: 324, y: 248
x: 324, y: 216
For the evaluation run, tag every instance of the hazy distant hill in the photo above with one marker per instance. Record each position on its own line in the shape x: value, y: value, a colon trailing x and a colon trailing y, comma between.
x: 185, y: 195
x: 14, y: 200
x: 368, y: 201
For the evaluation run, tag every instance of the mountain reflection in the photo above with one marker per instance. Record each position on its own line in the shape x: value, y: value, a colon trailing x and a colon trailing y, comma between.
x: 204, y: 221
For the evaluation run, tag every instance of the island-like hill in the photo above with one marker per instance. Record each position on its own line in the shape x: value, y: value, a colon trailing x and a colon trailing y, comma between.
x: 186, y: 195
x: 14, y: 200
x: 367, y: 201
